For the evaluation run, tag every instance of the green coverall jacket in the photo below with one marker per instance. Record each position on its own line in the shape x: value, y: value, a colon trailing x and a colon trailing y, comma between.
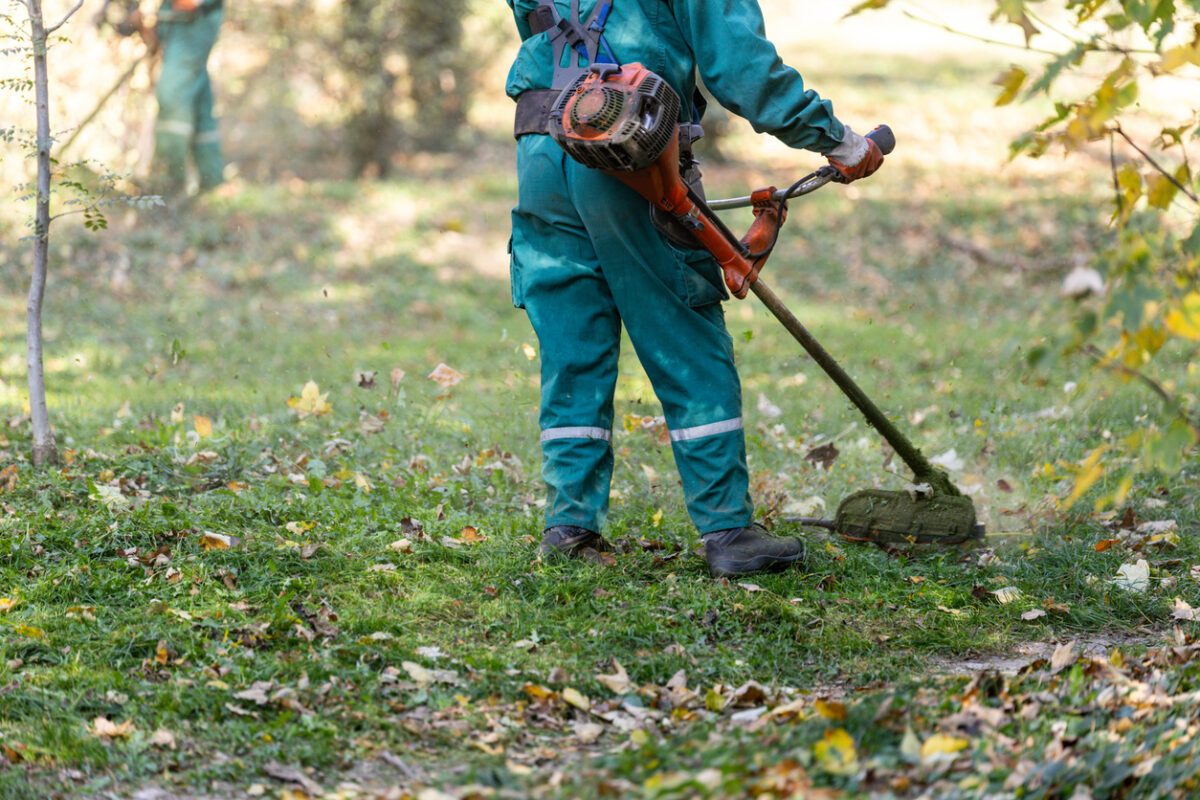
x: 586, y: 260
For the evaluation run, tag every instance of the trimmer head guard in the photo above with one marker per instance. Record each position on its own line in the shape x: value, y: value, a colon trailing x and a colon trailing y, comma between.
x: 883, y: 517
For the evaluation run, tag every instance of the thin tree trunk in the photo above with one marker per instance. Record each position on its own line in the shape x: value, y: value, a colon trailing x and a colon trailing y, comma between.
x: 44, y: 449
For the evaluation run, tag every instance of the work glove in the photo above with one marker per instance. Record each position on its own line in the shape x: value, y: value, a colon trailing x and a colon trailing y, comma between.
x: 186, y: 6
x: 856, y: 157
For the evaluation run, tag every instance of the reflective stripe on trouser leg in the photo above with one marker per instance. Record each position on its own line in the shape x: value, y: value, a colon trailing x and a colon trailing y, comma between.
x: 553, y: 434
x: 557, y: 277
x: 712, y: 467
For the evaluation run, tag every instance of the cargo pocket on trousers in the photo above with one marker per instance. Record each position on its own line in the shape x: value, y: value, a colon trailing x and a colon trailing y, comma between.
x: 703, y: 280
x: 514, y: 277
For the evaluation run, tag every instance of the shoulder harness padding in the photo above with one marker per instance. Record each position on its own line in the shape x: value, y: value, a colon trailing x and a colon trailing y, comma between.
x: 574, y: 41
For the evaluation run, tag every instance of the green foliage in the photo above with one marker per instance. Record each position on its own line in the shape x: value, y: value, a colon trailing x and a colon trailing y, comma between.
x: 1151, y: 270
x: 435, y: 78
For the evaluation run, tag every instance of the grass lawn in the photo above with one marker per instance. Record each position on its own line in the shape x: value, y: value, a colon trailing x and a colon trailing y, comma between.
x: 219, y: 595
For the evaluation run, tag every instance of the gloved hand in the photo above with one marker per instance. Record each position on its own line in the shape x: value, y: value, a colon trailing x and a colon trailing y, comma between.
x: 185, y: 6
x: 856, y: 157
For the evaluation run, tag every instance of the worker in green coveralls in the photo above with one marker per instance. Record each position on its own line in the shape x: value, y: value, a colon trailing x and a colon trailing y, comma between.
x: 186, y: 126
x: 587, y: 258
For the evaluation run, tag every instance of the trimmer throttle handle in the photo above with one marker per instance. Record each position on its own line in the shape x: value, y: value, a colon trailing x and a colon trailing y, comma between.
x: 884, y: 138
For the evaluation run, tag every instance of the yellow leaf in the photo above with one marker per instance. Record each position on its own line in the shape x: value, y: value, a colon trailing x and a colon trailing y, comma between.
x: 529, y: 352
x: 362, y: 483
x: 299, y: 528
x: 831, y: 710
x: 1185, y: 320
x: 1010, y: 83
x: 1089, y: 473
x: 217, y: 541
x: 576, y: 698
x: 836, y: 753
x: 177, y: 414
x: 657, y: 519
x: 7, y: 604
x: 310, y: 403
x: 30, y: 631
x: 1176, y: 57
x: 203, y: 425
x: 942, y: 745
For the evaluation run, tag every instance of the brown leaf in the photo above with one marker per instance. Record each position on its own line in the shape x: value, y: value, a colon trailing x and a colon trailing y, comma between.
x: 1106, y: 544
x: 471, y: 535
x: 1004, y: 486
x: 823, y: 456
x: 8, y: 478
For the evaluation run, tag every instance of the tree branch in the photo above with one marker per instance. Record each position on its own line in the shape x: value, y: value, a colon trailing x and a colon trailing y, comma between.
x: 977, y: 37
x: 1112, y: 160
x: 1188, y: 192
x: 67, y: 16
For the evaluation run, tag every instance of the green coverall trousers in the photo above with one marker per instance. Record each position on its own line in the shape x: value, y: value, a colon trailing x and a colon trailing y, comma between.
x: 585, y: 259
x: 186, y: 123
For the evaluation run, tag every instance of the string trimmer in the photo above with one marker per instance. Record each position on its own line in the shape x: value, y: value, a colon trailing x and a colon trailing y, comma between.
x: 623, y: 120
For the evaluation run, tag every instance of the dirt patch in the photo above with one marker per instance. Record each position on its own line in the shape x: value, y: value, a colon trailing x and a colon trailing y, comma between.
x: 1020, y: 655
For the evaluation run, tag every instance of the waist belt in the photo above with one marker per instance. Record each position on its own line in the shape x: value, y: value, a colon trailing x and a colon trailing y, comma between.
x: 533, y: 111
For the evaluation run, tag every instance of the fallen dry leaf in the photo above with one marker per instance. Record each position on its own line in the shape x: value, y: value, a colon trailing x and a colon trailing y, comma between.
x: 203, y: 426
x: 836, y: 753
x: 576, y: 698
x: 1134, y: 577
x: 823, y: 456
x: 1030, y: 616
x: 401, y: 546
x: 941, y: 745
x: 1008, y: 594
x: 618, y: 682
x: 446, y: 376
x: 831, y: 710
x: 1184, y: 612
x: 8, y: 478
x: 163, y: 738
x: 1064, y: 656
x: 106, y: 729
x: 310, y: 403
x: 471, y: 535
x: 426, y: 677
x: 218, y: 541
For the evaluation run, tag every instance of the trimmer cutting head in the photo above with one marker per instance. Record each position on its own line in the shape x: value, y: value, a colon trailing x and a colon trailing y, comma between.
x: 883, y: 517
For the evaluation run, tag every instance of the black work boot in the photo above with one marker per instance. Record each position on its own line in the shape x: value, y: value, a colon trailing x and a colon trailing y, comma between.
x: 571, y: 541
x: 742, y: 551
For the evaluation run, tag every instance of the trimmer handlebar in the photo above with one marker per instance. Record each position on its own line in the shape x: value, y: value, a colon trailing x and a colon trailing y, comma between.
x: 882, y: 136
